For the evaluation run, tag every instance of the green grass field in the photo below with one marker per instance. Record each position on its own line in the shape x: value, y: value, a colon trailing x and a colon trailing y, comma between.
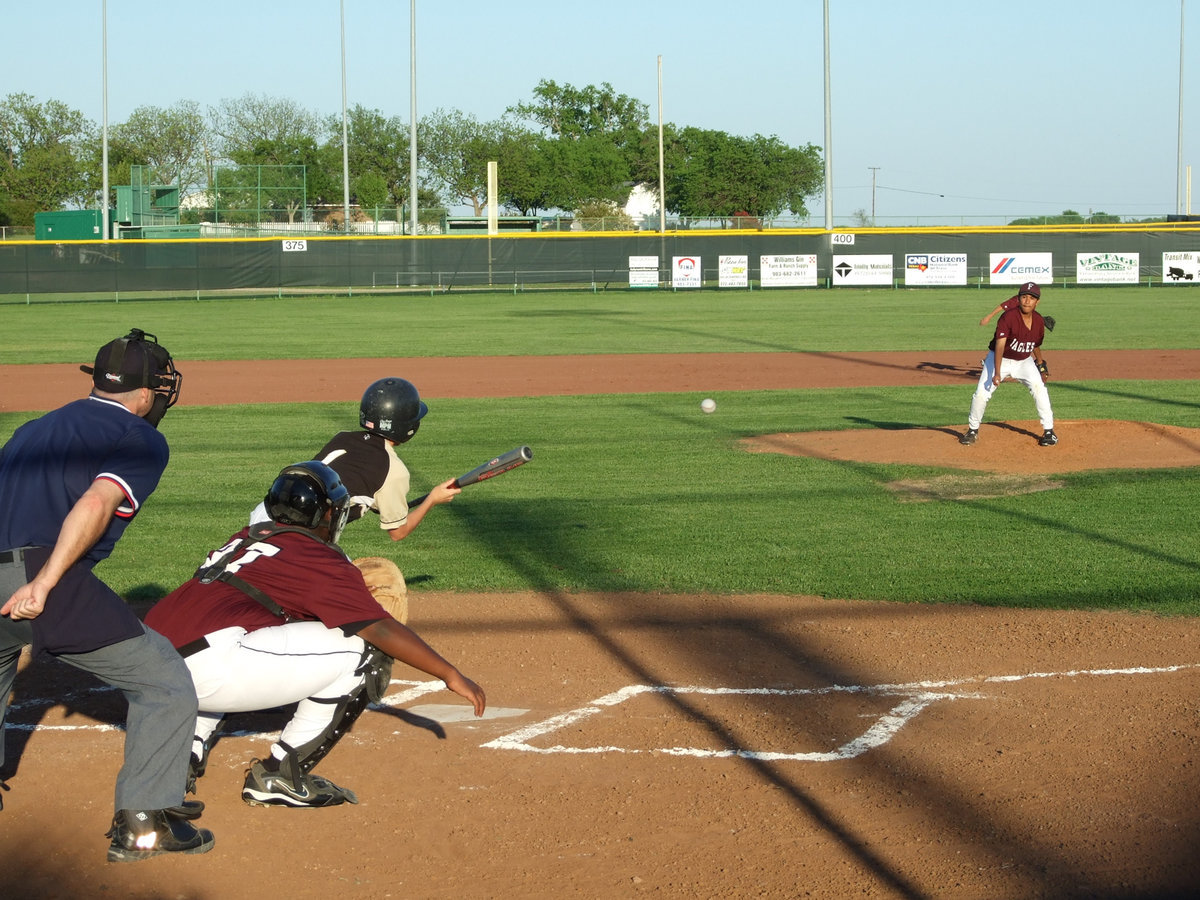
x: 642, y: 492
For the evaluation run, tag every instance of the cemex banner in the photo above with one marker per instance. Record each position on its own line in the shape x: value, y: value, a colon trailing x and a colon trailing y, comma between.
x: 1017, y: 268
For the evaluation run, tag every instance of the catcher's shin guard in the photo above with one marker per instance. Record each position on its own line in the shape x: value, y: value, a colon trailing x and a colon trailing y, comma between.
x: 375, y: 667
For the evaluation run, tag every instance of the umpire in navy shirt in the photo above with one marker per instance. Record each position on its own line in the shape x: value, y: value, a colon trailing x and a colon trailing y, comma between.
x: 70, y: 483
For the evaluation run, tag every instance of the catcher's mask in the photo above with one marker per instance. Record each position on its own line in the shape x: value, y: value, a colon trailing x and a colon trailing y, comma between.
x: 392, y: 407
x: 135, y: 361
x: 309, y: 495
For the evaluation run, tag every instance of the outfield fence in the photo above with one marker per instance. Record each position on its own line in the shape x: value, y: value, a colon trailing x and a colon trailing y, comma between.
x: 195, y: 268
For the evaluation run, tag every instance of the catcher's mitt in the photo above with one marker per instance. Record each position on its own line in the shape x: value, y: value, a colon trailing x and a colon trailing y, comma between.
x: 385, y: 581
x: 1049, y: 320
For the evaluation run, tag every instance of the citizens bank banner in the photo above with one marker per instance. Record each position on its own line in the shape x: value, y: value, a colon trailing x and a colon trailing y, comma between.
x: 1017, y: 268
x: 856, y: 270
x: 795, y: 270
x: 935, y: 268
x: 1107, y: 268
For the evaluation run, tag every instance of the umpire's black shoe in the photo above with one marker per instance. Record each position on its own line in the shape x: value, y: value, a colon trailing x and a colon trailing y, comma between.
x: 969, y: 437
x: 142, y: 833
x: 1049, y: 439
x: 188, y: 809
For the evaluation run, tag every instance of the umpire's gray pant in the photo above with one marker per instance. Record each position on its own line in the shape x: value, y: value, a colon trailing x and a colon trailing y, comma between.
x: 162, y: 704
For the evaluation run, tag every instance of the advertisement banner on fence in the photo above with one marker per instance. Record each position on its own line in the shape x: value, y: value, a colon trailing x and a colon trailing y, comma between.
x: 733, y: 271
x: 686, y: 272
x: 935, y: 268
x: 794, y: 270
x: 859, y: 270
x: 1017, y: 268
x: 1181, y: 267
x: 643, y: 271
x: 1107, y: 268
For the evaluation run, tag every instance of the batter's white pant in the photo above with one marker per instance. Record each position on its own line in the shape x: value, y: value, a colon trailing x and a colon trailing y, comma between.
x: 1024, y: 371
x: 300, y: 662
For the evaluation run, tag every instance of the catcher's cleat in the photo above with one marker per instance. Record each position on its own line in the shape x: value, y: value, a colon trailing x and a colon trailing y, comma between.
x: 1049, y: 439
x: 267, y: 788
x: 142, y: 833
x: 969, y: 437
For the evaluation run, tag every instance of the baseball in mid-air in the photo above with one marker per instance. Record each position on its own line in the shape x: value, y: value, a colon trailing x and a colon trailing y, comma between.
x: 708, y: 404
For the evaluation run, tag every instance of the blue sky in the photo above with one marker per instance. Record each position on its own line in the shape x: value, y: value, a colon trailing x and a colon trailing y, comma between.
x: 965, y: 109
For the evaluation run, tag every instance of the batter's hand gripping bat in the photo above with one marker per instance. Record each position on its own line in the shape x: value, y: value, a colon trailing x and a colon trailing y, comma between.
x: 497, y: 465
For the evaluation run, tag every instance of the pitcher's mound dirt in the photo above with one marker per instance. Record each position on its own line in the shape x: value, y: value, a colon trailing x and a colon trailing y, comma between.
x: 1003, y: 447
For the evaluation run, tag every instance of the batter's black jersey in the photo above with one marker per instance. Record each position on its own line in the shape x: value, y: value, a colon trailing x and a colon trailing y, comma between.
x: 371, y: 472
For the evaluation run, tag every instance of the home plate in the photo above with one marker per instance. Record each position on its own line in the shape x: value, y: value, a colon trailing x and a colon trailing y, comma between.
x: 444, y: 713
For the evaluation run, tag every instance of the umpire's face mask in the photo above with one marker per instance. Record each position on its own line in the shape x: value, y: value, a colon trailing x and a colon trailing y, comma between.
x: 158, y: 409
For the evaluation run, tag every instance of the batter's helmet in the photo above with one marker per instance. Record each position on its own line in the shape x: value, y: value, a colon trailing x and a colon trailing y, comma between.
x: 392, y: 407
x: 305, y: 493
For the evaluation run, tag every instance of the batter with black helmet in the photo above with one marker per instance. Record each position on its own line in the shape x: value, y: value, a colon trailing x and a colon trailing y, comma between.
x: 390, y: 413
x: 280, y: 615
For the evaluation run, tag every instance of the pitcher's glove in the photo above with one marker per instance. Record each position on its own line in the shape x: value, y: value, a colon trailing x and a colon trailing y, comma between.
x: 1044, y: 369
x: 1049, y: 320
x: 385, y: 581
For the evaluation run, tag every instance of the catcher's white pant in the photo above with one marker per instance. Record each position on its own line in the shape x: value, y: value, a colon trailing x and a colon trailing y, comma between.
x: 300, y: 662
x: 1022, y: 370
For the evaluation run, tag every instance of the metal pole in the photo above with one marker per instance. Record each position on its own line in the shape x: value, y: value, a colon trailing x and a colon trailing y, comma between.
x: 662, y: 190
x: 829, y: 131
x: 1179, y: 149
x: 412, y: 114
x: 104, y: 127
x: 873, y: 169
x: 345, y: 132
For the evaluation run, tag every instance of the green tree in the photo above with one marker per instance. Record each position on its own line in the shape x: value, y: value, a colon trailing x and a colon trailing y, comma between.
x: 716, y: 175
x: 604, y: 143
x: 171, y: 142
x: 378, y: 153
x: 456, y: 148
x: 256, y: 131
x: 42, y: 153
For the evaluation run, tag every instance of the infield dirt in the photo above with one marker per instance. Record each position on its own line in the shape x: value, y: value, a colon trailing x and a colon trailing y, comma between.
x: 789, y: 746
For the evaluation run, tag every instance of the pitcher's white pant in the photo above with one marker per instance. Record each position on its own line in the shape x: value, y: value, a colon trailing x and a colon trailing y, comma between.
x: 300, y: 662
x: 1024, y: 371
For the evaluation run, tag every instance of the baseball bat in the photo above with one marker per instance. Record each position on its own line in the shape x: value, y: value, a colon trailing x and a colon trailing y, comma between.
x: 497, y: 465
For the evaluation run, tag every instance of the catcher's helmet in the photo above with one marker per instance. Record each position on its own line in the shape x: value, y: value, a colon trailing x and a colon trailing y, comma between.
x: 392, y: 407
x: 305, y: 493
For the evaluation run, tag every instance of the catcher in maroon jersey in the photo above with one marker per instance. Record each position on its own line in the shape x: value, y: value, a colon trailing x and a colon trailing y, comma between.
x: 280, y: 615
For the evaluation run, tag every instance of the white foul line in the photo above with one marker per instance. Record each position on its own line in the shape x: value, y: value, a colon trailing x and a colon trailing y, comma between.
x: 918, y: 695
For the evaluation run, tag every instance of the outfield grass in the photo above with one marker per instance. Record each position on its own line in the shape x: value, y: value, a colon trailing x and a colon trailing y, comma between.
x: 644, y: 493
x: 582, y: 323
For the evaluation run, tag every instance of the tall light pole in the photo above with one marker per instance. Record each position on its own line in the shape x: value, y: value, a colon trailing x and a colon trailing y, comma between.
x: 104, y: 116
x: 662, y: 192
x: 1179, y: 148
x: 829, y: 132
x: 345, y: 132
x: 412, y: 115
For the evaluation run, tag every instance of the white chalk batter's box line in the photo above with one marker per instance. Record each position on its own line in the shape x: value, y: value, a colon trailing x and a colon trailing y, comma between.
x: 917, y: 696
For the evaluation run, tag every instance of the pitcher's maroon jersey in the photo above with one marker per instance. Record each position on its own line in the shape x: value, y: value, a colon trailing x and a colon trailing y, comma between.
x: 1020, y: 340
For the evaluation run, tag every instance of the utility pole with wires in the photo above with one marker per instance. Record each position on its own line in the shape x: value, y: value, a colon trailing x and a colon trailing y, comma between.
x: 873, y: 169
